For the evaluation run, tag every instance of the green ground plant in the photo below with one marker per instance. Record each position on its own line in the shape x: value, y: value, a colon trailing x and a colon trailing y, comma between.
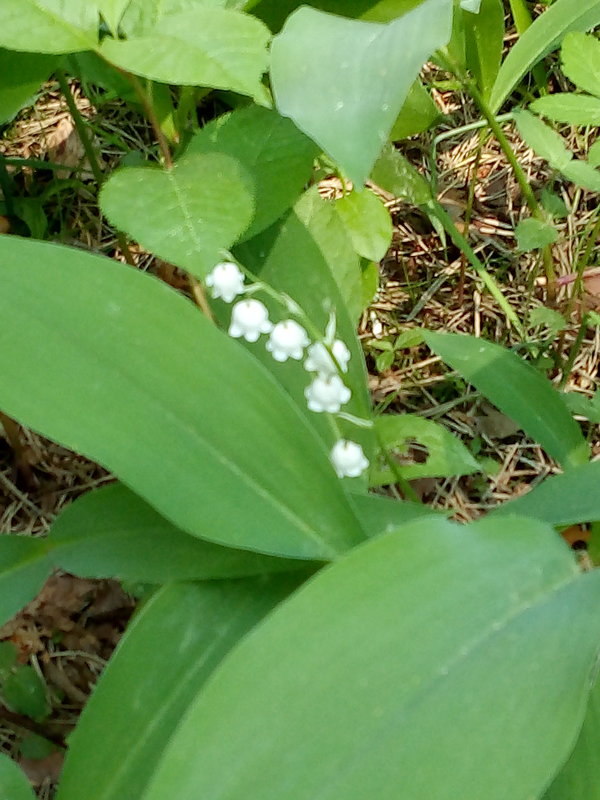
x: 300, y: 638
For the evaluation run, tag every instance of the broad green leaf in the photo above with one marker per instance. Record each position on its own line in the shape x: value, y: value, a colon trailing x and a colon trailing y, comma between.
x: 13, y: 783
x: 562, y: 500
x: 541, y: 38
x: 435, y: 661
x: 368, y: 223
x: 188, y: 214
x: 348, y: 103
x: 443, y: 454
x: 587, y: 407
x: 547, y: 143
x: 141, y: 16
x: 484, y: 37
x: 579, y: 779
x: 112, y: 533
x: 518, y: 390
x: 275, y: 12
x: 49, y: 26
x: 418, y: 113
x: 90, y: 68
x: 583, y: 174
x: 573, y: 109
x: 112, y: 12
x: 329, y: 231
x: 168, y: 652
x: 202, y: 46
x: 274, y: 255
x: 277, y: 156
x: 135, y: 377
x: 381, y: 514
x: 21, y: 76
x: 25, y: 693
x: 594, y: 154
x: 395, y: 174
x: 533, y: 233
x: 23, y: 571
x: 580, y: 56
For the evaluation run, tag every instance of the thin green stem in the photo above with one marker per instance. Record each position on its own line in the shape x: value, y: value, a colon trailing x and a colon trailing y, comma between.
x: 405, y: 487
x: 568, y: 365
x: 460, y: 241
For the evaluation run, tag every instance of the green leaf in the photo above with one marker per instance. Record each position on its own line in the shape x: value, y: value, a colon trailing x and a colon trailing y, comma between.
x: 25, y: 692
x: 553, y: 204
x: 533, y: 233
x: 23, y: 571
x: 13, y: 783
x: 139, y: 380
x: 188, y: 214
x: 518, y: 390
x: 562, y: 500
x: 142, y: 16
x: 381, y: 514
x: 112, y: 11
x: 368, y: 223
x: 274, y: 255
x: 484, y: 37
x: 572, y: 109
x: 594, y: 154
x: 168, y: 652
x: 583, y: 174
x: 8, y: 659
x: 112, y: 533
x: 444, y: 454
x: 395, y: 174
x: 580, y: 56
x: 418, y: 113
x: 587, y: 407
x: 451, y: 661
x: 49, y: 26
x: 348, y: 103
x: 277, y: 156
x: 201, y: 46
x: 21, y: 76
x: 547, y: 143
x: 550, y: 319
x: 541, y: 38
x: 579, y: 779
x: 329, y: 231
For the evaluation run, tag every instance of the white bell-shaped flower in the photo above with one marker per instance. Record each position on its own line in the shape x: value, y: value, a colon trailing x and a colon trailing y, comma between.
x: 287, y: 340
x: 319, y: 359
x: 226, y: 281
x: 348, y: 459
x: 249, y: 318
x: 327, y: 393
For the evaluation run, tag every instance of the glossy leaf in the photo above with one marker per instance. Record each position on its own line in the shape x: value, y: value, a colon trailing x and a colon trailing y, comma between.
x: 484, y: 37
x: 21, y: 76
x: 444, y: 455
x: 348, y: 104
x: 572, y: 109
x: 113, y: 533
x: 168, y: 652
x: 580, y: 55
x: 541, y: 38
x: 395, y: 174
x: 277, y: 156
x: 418, y: 113
x: 381, y: 514
x: 579, y: 779
x: 187, y: 215
x: 435, y: 657
x: 49, y: 26
x: 368, y: 223
x: 201, y: 46
x: 518, y: 390
x: 24, y: 568
x: 330, y: 232
x: 274, y: 256
x: 138, y: 379
x: 13, y: 783
x: 561, y: 500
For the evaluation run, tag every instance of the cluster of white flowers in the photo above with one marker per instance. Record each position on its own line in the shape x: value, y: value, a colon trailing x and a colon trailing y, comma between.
x: 288, y: 339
